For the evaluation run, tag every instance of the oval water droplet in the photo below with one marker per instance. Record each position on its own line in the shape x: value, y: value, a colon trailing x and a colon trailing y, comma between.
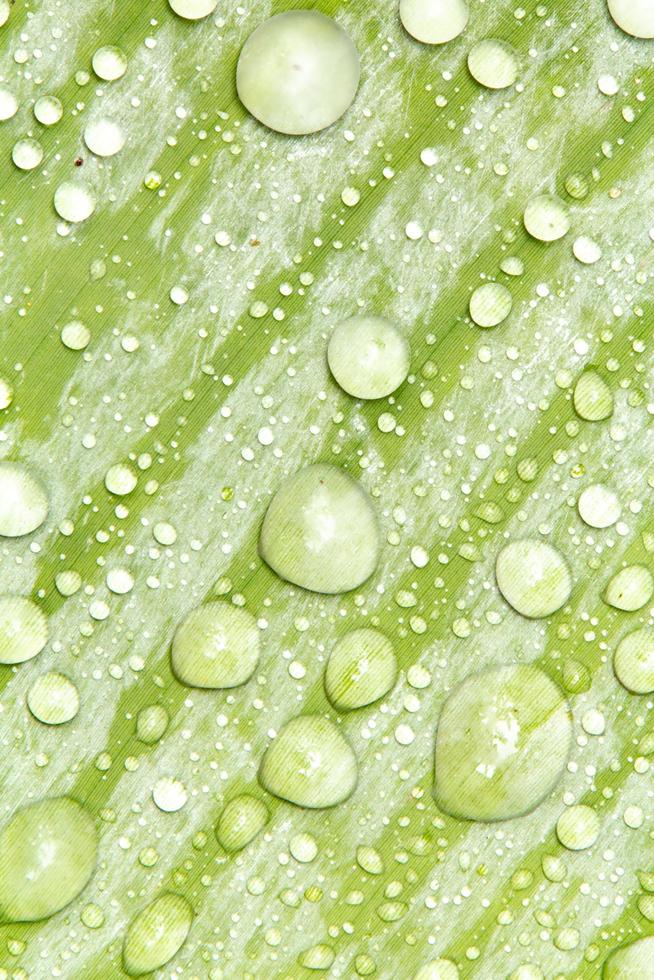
x: 298, y: 72
x: 309, y: 763
x: 630, y: 588
x: 27, y: 154
x: 48, y: 110
x: 368, y: 356
x: 493, y: 63
x: 578, y: 827
x: 502, y: 743
x: 533, y: 577
x: 216, y: 646
x: 434, y: 21
x: 320, y: 531
x: 490, y: 304
x: 49, y: 852
x: 53, y: 699
x: 592, y: 398
x: 439, y: 969
x: 546, y: 218
x: 23, y: 629
x: 156, y: 934
x: 151, y: 724
x: 361, y: 669
x: 598, y: 506
x: 241, y: 821
x: 23, y: 501
x: 633, y: 661
x: 104, y: 137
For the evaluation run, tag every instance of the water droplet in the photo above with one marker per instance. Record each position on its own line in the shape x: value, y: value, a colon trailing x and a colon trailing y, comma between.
x: 216, y: 646
x: 592, y: 397
x: 368, y: 356
x: 309, y: 763
x: 630, y: 588
x: 169, y: 795
x: 109, y: 63
x: 320, y: 531
x: 502, y: 742
x: 319, y: 957
x: 53, y: 699
x: 23, y: 629
x: 120, y: 479
x: 434, y: 21
x: 303, y: 848
x: 493, y: 63
x: 23, y: 501
x: 27, y: 154
x: 193, y: 9
x: 635, y: 17
x: 8, y: 103
x: 578, y: 828
x: 370, y: 860
x: 533, y: 577
x: 633, y: 661
x: 104, y: 137
x: 151, y: 724
x: 156, y: 934
x: 490, y: 304
x: 546, y: 218
x: 48, y: 110
x: 438, y: 970
x: 298, y: 72
x: 74, y: 201
x: 586, y: 250
x: 361, y: 669
x: 75, y: 335
x: 240, y: 822
x: 598, y: 506
x: 52, y: 846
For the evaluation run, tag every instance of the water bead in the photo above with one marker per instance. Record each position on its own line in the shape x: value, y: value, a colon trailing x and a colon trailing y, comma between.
x: 193, y: 9
x: 309, y: 763
x: 598, y: 506
x: 74, y: 201
x: 630, y: 589
x: 298, y: 72
x: 53, y: 847
x: 546, y: 218
x: 635, y: 17
x: 8, y: 104
x: 368, y: 356
x: 439, y: 969
x: 502, y: 743
x: 216, y: 647
x: 23, y: 629
x: 156, y: 934
x: 242, y: 819
x: 53, y: 699
x: 320, y: 531
x: 120, y: 479
x: 27, y: 154
x: 151, y: 724
x: 578, y: 828
x: 48, y: 110
x: 109, y: 63
x: 493, y: 63
x: 533, y: 577
x: 104, y: 137
x: 23, y: 501
x: 592, y: 397
x: 490, y: 304
x: 434, y: 21
x: 633, y: 661
x: 361, y: 669
x: 75, y: 335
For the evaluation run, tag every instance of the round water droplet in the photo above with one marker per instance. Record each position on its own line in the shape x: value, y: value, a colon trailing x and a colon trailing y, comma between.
x: 240, y: 822
x: 156, y: 934
x: 438, y: 970
x: 361, y: 669
x: 502, y: 743
x: 490, y: 304
x: 370, y: 860
x: 635, y: 17
x: 368, y: 356
x: 298, y: 72
x: 48, y: 110
x: 193, y: 9
x: 630, y: 589
x: 633, y: 661
x: 23, y: 629
x: 586, y: 250
x: 303, y: 848
x: 27, y: 154
x: 50, y: 851
x: 592, y: 398
x: 309, y: 763
x: 216, y: 646
x: 75, y: 335
x: 104, y: 137
x: 120, y: 479
x: 320, y: 531
x: 151, y: 724
x: 546, y: 218
x: 578, y: 828
x: 630, y: 962
x: 493, y: 63
x: 109, y: 63
x: 8, y: 103
x: 6, y: 394
x: 53, y: 699
x: 169, y: 795
x: 434, y: 21
x: 533, y: 577
x: 23, y: 502
x: 598, y: 506
x: 74, y: 201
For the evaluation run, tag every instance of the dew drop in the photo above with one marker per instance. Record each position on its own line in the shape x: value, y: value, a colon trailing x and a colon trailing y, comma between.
x: 48, y: 110
x: 242, y: 819
x: 27, y: 154
x: 493, y: 63
x: 361, y: 669
x: 104, y: 137
x: 109, y: 63
x: 23, y: 501
x: 74, y: 201
x: 8, y: 103
x: 156, y: 934
x: 635, y: 17
x: 490, y: 304
x: 633, y: 661
x: 298, y: 72
x: 309, y: 763
x: 598, y: 506
x: 368, y: 356
x: 75, y: 335
x: 169, y: 795
x: 434, y: 21
x: 630, y: 589
x: 53, y: 699
x: 216, y: 646
x: 193, y: 9
x: 438, y: 970
x: 533, y: 577
x: 578, y: 828
x: 592, y: 398
x: 23, y: 629
x: 546, y: 218
x: 151, y: 724
x: 120, y: 479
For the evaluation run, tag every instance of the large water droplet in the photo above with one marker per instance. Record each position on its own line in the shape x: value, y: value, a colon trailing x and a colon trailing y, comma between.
x: 49, y: 852
x: 23, y: 501
x: 635, y: 17
x: 493, y: 63
x: 361, y: 669
x: 309, y: 763
x: 593, y: 400
x: 156, y: 934
x: 502, y: 743
x: 368, y: 356
x: 633, y: 661
x: 578, y: 827
x: 598, y: 506
x: 53, y: 699
x: 298, y: 72
x: 533, y: 578
x: 27, y: 154
x: 630, y: 588
x: 546, y: 218
x: 320, y: 531
x: 490, y: 304
x: 74, y: 201
x: 23, y: 629
x: 216, y: 646
x: 434, y: 21
x: 109, y: 63
x: 241, y: 821
x: 104, y: 137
